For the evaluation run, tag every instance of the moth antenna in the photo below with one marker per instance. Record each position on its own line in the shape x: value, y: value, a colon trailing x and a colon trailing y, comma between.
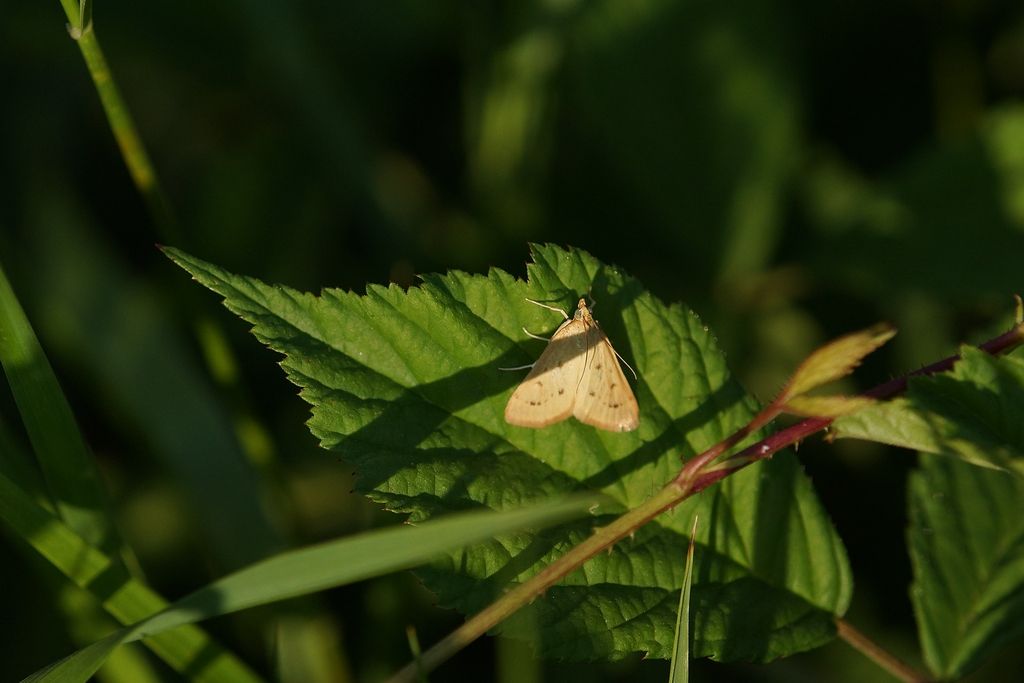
x: 535, y: 336
x: 518, y: 367
x: 550, y: 308
x: 625, y: 363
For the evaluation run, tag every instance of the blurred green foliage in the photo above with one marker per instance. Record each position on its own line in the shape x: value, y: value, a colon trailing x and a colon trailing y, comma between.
x: 791, y: 170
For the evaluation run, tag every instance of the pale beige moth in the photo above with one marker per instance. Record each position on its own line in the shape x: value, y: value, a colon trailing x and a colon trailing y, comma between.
x: 578, y: 374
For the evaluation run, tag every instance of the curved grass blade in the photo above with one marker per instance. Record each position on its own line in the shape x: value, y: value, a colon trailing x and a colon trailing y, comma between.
x: 68, y: 467
x: 81, y: 539
x: 123, y: 597
x: 316, y: 568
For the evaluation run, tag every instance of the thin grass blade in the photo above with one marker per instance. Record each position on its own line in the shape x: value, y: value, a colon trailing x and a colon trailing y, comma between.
x: 316, y: 568
x: 679, y: 672
x: 123, y: 597
x: 67, y: 464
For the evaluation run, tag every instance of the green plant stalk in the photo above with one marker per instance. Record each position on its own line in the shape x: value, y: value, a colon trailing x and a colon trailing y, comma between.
x: 121, y: 124
x: 691, y: 480
x: 74, y: 13
x: 877, y: 654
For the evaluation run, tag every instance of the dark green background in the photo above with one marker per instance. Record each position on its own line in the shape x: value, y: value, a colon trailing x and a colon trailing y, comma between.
x: 790, y: 170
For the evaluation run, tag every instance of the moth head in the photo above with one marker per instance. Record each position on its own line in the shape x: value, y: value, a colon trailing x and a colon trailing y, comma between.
x: 582, y: 312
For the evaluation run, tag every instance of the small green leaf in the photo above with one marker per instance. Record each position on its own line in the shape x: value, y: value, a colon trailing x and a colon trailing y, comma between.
x: 966, y: 541
x: 975, y: 412
x: 308, y: 570
x: 834, y: 360
x: 406, y: 386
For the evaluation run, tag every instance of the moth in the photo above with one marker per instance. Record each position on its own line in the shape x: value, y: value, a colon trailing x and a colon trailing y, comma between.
x: 578, y: 374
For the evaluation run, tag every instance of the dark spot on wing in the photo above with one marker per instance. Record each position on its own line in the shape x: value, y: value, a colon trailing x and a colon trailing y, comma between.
x: 561, y: 391
x: 591, y: 393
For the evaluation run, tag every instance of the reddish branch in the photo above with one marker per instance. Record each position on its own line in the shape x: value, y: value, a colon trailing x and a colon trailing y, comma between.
x: 801, y: 430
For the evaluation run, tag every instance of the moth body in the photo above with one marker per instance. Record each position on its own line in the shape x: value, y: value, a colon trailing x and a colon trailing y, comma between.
x: 578, y: 374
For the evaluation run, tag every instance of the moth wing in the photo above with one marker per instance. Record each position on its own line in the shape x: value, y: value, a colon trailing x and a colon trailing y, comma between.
x: 546, y: 395
x: 605, y: 399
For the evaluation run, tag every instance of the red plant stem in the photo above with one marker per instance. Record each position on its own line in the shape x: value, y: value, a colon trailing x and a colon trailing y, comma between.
x: 801, y: 430
x: 699, y: 462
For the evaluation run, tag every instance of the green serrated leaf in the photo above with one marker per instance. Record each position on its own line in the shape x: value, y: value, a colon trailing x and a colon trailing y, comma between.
x: 975, y: 412
x: 966, y: 541
x: 406, y: 386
